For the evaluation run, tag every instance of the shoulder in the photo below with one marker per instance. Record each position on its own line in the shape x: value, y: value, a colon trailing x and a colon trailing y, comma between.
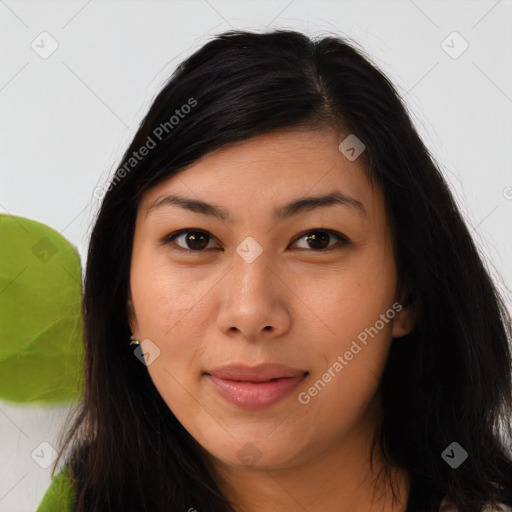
x: 59, y: 495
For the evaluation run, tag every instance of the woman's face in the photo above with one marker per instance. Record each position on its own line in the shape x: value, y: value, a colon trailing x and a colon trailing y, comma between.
x: 267, y: 291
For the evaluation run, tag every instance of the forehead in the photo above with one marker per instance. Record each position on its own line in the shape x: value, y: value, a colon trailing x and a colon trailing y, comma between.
x: 270, y: 169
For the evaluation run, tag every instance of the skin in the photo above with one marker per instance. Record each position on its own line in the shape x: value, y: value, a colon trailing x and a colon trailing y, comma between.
x: 206, y: 309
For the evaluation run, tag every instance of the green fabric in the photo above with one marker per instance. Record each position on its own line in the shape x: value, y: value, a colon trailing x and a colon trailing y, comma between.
x: 59, y: 496
x: 41, y: 348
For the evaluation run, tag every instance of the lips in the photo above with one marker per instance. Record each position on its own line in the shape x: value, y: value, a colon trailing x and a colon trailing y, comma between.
x: 255, y: 387
x: 259, y: 373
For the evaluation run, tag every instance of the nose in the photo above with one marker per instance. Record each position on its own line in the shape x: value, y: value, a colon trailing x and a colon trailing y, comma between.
x: 254, y: 301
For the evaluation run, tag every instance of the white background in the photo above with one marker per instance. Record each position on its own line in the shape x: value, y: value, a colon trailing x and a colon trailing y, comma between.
x: 66, y: 120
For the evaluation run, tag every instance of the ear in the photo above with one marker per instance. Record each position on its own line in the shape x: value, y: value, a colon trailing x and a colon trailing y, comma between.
x: 132, y: 319
x: 405, y: 318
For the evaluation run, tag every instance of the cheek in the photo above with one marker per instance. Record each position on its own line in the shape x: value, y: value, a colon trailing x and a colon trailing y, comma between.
x: 166, y: 297
x: 351, y: 302
x: 174, y: 318
x: 350, y: 298
x: 349, y: 361
x: 171, y: 312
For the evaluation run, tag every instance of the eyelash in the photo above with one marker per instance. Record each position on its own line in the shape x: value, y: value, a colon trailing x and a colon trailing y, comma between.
x: 342, y: 240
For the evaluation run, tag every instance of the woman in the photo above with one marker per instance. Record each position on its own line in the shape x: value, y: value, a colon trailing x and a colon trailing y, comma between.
x: 311, y: 325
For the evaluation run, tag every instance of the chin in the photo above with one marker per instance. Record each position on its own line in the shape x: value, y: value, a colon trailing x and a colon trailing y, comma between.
x: 261, y: 454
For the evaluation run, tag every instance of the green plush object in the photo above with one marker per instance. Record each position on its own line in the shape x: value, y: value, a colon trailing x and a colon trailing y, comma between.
x: 59, y: 496
x: 41, y: 348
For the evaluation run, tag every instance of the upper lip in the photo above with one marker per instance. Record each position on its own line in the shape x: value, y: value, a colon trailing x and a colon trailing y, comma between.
x: 261, y: 372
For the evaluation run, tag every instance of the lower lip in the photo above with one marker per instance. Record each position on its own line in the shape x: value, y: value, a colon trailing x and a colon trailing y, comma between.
x: 255, y: 395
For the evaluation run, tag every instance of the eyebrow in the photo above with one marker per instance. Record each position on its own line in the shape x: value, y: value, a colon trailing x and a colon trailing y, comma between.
x: 294, y: 207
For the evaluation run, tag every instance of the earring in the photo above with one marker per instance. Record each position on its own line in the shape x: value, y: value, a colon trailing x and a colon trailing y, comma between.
x: 134, y: 341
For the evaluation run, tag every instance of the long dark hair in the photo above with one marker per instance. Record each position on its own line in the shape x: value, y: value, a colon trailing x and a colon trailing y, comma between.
x: 448, y: 381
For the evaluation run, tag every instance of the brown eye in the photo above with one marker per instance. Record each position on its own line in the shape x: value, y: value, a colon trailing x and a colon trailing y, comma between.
x: 192, y: 240
x: 319, y: 240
